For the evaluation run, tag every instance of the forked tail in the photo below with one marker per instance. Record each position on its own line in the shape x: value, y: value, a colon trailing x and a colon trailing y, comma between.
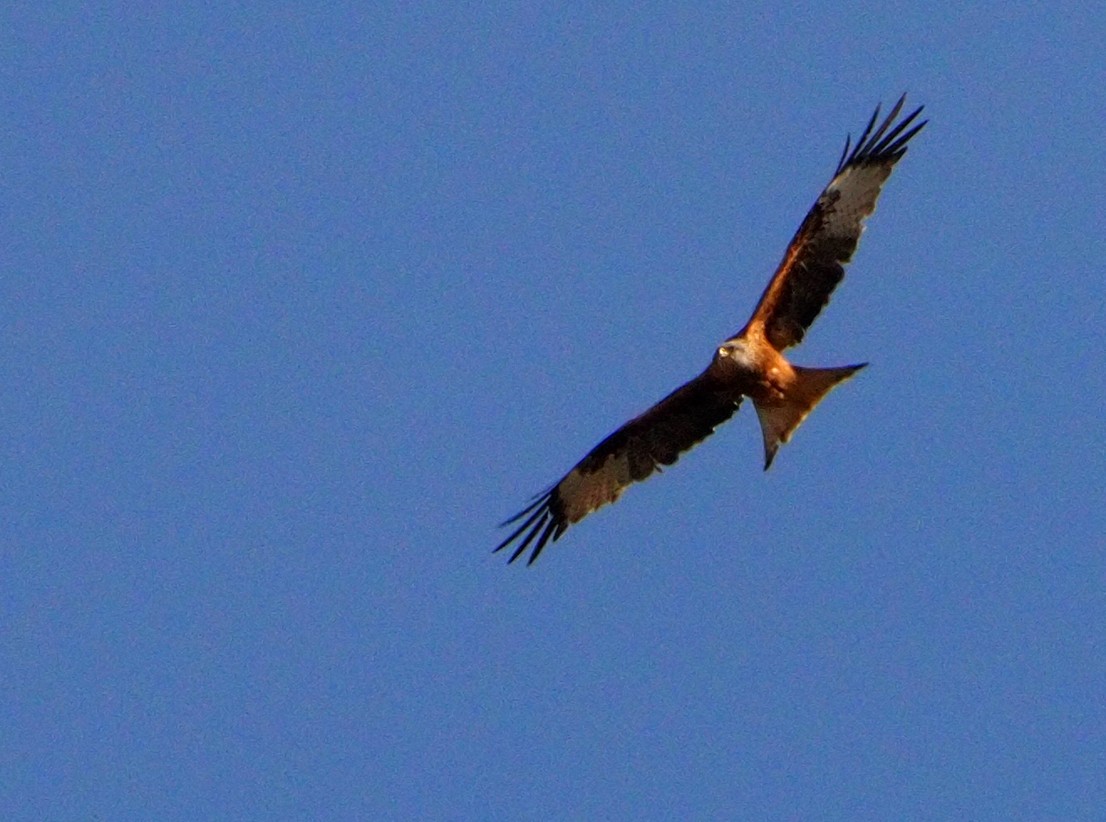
x: 779, y: 421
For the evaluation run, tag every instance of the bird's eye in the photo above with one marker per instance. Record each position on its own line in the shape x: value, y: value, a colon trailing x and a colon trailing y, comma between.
x: 723, y: 351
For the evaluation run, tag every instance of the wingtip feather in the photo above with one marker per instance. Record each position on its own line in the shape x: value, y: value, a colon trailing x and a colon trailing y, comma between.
x: 543, y: 522
x: 885, y: 141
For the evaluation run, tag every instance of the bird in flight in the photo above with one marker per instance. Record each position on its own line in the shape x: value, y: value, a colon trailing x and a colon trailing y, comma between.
x: 748, y: 364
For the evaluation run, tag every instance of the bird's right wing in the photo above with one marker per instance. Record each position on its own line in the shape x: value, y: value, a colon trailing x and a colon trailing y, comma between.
x: 657, y: 437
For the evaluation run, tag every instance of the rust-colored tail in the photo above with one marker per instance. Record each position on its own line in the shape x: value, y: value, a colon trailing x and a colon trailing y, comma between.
x: 779, y: 421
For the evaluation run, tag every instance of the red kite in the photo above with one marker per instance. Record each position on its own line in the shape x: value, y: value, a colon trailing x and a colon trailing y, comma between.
x: 748, y: 364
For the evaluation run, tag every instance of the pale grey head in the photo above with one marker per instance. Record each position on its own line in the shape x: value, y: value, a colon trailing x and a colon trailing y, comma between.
x: 735, y: 354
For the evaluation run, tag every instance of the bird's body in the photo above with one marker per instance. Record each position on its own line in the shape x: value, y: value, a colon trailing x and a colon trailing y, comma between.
x: 748, y: 364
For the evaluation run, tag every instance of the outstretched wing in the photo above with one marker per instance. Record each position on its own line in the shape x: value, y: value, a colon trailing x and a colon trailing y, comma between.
x: 658, y: 437
x: 815, y: 260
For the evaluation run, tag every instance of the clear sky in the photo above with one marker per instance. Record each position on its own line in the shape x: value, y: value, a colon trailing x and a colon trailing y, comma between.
x: 299, y: 304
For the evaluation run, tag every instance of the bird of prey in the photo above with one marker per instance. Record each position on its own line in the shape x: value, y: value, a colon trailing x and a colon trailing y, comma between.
x: 748, y: 364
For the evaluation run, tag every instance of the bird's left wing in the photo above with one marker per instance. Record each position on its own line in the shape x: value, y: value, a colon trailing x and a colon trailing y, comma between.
x: 632, y: 453
x: 814, y: 262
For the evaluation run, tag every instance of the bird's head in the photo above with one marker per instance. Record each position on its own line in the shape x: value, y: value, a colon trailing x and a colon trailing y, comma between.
x: 734, y: 353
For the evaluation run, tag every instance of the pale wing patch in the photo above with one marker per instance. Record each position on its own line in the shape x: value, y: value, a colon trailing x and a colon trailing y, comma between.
x: 581, y: 493
x: 852, y: 197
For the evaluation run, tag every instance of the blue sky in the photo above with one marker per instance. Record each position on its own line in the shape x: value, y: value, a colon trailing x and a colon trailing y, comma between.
x: 299, y: 303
